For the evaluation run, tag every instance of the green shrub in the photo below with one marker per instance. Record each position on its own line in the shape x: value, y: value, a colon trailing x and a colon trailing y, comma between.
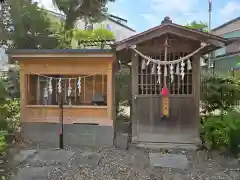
x: 219, y: 93
x: 10, y: 115
x: 222, y: 133
x: 3, y: 144
x: 123, y: 89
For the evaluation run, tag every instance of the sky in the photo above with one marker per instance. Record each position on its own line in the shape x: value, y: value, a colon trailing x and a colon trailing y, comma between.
x: 144, y: 14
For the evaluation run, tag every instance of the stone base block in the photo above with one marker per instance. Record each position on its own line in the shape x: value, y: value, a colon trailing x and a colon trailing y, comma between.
x: 122, y: 140
x: 73, y: 134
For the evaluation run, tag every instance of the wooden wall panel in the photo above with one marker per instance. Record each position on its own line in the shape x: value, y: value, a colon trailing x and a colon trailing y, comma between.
x: 90, y: 86
x: 67, y: 67
x: 70, y: 114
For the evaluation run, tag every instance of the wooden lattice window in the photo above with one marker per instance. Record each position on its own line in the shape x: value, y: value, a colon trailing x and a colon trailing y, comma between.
x: 147, y: 82
x: 91, y: 86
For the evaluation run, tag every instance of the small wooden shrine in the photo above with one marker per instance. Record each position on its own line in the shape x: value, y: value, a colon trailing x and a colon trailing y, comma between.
x: 165, y: 71
x: 83, y: 78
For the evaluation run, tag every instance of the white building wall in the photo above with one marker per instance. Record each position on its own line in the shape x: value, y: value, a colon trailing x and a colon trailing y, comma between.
x: 235, y: 26
x: 119, y: 31
x: 3, y: 60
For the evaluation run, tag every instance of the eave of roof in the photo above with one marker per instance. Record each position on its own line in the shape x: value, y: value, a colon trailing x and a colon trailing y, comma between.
x: 228, y: 55
x: 231, y: 40
x: 57, y: 51
x: 117, y: 17
x: 123, y: 25
x: 173, y: 25
x: 61, y: 53
x: 225, y: 24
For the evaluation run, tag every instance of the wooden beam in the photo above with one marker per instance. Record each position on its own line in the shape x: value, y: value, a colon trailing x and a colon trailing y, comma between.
x: 110, y: 92
x: 38, y: 90
x: 23, y: 93
x: 196, y: 92
x: 216, y: 43
x: 134, y: 75
x: 62, y: 55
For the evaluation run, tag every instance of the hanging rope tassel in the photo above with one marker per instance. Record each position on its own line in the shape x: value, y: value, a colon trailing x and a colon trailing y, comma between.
x: 50, y: 86
x: 165, y: 71
x: 177, y: 69
x: 171, y: 73
x: 153, y: 71
x: 159, y: 73
x: 69, y: 87
x: 45, y: 93
x: 148, y: 62
x: 143, y: 64
x: 79, y: 86
x: 60, y: 85
x: 182, y: 69
x: 189, y: 65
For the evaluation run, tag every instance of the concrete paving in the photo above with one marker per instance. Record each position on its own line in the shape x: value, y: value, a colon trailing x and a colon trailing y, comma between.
x: 168, y: 160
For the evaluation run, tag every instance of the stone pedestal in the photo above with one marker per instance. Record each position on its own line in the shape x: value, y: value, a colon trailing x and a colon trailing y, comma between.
x: 122, y: 140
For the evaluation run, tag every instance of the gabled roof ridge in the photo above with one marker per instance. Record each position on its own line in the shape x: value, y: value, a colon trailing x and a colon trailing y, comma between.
x: 170, y: 24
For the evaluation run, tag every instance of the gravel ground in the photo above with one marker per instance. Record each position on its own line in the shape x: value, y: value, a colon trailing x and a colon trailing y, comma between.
x: 41, y: 163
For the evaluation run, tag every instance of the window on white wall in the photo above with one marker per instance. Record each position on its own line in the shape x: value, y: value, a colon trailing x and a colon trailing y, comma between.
x: 108, y: 27
x: 89, y: 27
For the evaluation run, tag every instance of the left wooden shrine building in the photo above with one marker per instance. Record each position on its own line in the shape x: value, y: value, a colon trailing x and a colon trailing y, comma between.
x: 82, y: 80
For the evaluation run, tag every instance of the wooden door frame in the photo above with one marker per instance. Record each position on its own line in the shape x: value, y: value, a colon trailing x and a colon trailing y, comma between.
x: 134, y: 77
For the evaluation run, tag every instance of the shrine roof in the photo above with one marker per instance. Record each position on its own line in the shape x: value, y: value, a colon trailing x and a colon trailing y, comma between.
x: 60, y: 54
x: 56, y: 51
x: 168, y: 27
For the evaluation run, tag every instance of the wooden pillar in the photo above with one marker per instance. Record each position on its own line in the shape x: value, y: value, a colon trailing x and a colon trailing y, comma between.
x: 115, y: 66
x: 110, y: 91
x: 196, y: 82
x: 134, y: 74
x: 38, y: 90
x: 23, y: 96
